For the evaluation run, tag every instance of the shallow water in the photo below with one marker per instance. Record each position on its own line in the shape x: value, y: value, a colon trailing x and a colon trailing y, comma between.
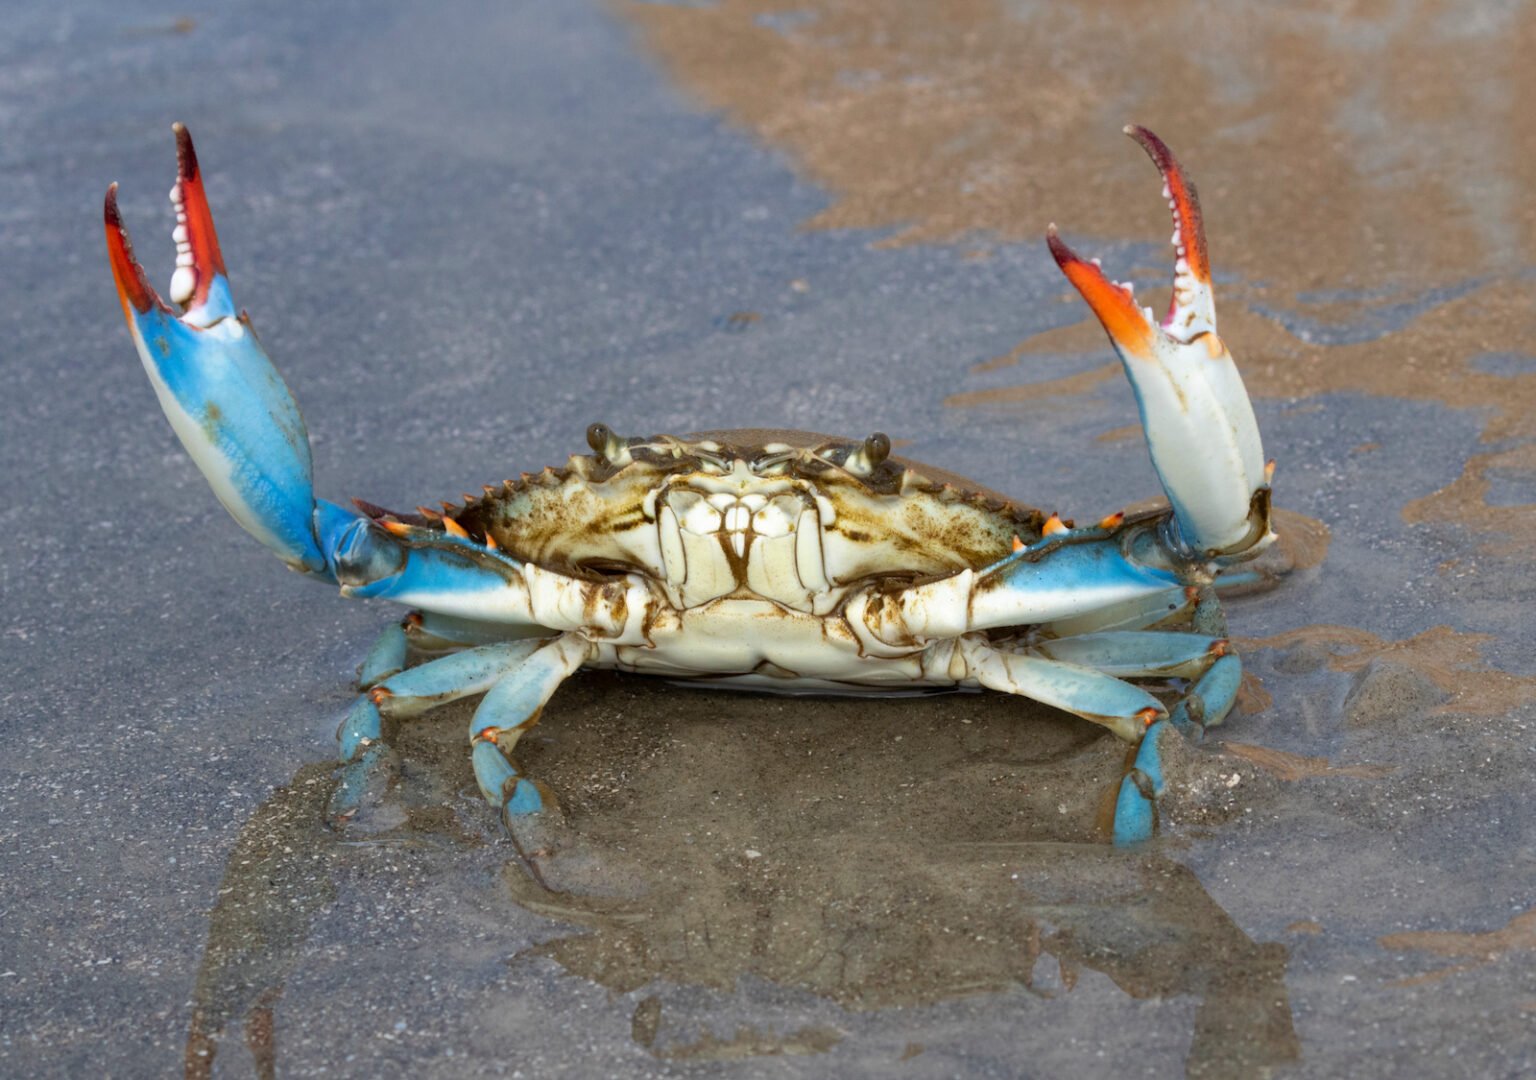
x: 466, y: 234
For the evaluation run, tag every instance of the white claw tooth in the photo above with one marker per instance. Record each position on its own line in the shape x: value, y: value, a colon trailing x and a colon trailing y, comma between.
x: 1097, y: 262
x: 184, y: 258
x: 179, y: 234
x: 1181, y: 267
x: 1167, y: 193
x: 183, y: 281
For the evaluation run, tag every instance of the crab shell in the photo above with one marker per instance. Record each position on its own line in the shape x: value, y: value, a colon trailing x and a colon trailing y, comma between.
x: 787, y: 516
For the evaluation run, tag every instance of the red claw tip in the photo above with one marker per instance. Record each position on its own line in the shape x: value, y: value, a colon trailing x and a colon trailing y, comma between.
x: 1183, y: 199
x: 133, y: 288
x: 1112, y: 303
x: 192, y: 203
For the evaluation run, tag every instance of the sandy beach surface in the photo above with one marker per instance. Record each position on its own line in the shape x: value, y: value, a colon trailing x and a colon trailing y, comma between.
x: 468, y: 230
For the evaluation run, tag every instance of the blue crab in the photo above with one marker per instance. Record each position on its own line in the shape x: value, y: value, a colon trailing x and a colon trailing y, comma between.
x: 775, y: 560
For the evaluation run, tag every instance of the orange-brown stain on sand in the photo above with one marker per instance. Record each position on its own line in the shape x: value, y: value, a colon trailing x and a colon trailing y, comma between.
x: 1305, y: 127
x: 1450, y: 659
x: 1472, y: 949
x: 1293, y: 767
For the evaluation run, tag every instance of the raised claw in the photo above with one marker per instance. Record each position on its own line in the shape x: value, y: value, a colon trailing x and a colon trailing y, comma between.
x: 1198, y: 420
x: 226, y: 402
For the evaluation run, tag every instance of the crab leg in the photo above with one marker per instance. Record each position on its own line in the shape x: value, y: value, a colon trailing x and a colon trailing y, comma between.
x: 362, y: 748
x: 1198, y: 420
x: 386, y: 657
x: 1124, y: 653
x: 224, y: 399
x: 1142, y: 786
x: 1138, y: 613
x: 430, y: 632
x: 510, y: 708
x: 1125, y: 709
x: 1049, y: 582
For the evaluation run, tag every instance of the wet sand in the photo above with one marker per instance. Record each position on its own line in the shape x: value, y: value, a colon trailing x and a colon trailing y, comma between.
x: 471, y: 232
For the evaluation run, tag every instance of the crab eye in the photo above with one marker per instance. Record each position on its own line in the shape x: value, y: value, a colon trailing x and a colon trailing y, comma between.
x: 366, y: 554
x: 877, y: 447
x: 598, y: 436
x: 868, y: 455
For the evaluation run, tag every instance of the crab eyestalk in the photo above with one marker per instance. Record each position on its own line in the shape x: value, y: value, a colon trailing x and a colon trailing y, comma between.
x: 1199, y: 423
x: 226, y: 402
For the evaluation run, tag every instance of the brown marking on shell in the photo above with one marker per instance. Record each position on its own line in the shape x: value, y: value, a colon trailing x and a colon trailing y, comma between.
x: 905, y: 519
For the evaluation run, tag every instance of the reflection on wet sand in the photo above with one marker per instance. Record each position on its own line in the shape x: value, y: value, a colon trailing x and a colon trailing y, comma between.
x: 278, y: 878
x: 887, y: 925
x: 906, y: 853
x: 879, y: 856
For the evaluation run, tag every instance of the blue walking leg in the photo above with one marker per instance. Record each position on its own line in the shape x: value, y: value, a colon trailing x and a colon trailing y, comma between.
x: 1136, y: 808
x: 367, y: 760
x: 1205, y: 705
x: 1210, y: 699
x: 510, y: 708
x: 386, y: 658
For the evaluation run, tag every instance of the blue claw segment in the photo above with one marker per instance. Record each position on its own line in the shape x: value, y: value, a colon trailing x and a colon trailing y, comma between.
x: 1136, y: 808
x: 436, y: 571
x: 386, y: 658
x: 222, y: 396
x: 362, y: 726
x: 1075, y: 579
x: 1137, y: 613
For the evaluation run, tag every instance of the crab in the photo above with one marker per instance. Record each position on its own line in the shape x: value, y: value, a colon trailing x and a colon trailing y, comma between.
x: 760, y: 559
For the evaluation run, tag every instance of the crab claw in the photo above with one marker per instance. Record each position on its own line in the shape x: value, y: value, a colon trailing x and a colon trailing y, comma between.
x: 224, y: 399
x: 1198, y: 420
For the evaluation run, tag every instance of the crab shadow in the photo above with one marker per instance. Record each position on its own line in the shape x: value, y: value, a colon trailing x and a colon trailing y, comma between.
x: 868, y: 854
